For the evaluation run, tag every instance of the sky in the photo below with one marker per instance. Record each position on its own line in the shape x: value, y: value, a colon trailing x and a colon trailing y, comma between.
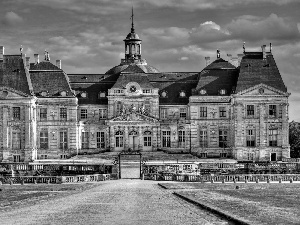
x: 87, y: 35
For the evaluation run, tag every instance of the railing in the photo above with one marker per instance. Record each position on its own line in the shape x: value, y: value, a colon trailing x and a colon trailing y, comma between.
x: 57, y: 179
x: 223, y: 178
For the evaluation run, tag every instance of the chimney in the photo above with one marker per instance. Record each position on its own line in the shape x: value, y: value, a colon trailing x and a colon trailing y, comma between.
x: 207, y: 60
x: 240, y: 56
x: 28, y: 62
x: 1, y: 52
x: 263, y: 48
x: 270, y: 47
x: 58, y: 63
x: 229, y: 57
x: 36, y: 59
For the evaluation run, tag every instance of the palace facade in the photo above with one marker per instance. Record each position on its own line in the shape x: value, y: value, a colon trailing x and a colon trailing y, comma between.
x: 231, y: 109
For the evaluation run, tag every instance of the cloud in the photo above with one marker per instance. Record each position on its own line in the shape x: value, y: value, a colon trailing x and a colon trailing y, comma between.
x: 252, y: 28
x: 12, y: 19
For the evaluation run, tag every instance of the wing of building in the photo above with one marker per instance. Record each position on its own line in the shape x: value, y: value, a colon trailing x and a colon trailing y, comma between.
x: 224, y: 111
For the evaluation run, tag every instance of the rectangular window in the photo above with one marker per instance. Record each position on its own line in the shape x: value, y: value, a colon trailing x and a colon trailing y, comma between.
x: 119, y: 141
x: 146, y: 91
x: 16, y: 113
x: 273, y: 137
x: 163, y: 113
x: 63, y: 113
x: 43, y: 114
x: 250, y: 138
x: 181, y: 138
x: 222, y: 111
x: 44, y: 139
x: 222, y: 138
x: 203, y: 155
x: 203, y: 112
x: 102, y: 113
x: 147, y: 141
x: 17, y: 158
x: 63, y: 140
x: 43, y: 156
x: 166, y: 138
x: 100, y: 140
x: 203, y: 138
x: 16, y: 140
x: 250, y: 110
x: 83, y: 114
x: 250, y: 156
x: 84, y: 140
x: 64, y: 156
x: 272, y: 110
x: 223, y: 155
x: 182, y: 112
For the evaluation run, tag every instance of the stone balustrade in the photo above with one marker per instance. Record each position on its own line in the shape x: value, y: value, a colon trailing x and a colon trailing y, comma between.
x: 254, y: 178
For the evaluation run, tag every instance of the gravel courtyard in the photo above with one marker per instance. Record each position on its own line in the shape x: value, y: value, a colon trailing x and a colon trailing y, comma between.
x: 113, y: 202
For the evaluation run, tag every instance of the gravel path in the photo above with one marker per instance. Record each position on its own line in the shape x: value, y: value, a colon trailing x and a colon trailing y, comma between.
x: 113, y: 202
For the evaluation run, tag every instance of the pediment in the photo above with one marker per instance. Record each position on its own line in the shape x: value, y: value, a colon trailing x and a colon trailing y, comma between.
x: 262, y: 90
x: 9, y: 93
x: 134, y: 117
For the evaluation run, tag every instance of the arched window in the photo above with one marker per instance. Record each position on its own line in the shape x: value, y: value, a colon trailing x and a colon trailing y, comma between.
x: 181, y: 137
x: 63, y: 93
x: 138, y: 49
x: 147, y: 139
x: 83, y: 94
x: 222, y: 92
x: 119, y: 139
x: 133, y: 49
x: 127, y: 49
x: 202, y: 92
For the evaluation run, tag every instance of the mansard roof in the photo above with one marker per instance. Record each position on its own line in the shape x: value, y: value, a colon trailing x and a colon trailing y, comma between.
x: 255, y: 70
x: 13, y: 74
x: 219, y: 75
x: 52, y: 82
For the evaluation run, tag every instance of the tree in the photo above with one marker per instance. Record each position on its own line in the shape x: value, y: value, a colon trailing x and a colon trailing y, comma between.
x: 294, y: 139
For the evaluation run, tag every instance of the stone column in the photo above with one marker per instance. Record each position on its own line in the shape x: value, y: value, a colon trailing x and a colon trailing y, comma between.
x: 158, y: 137
x: 5, y: 134
x: 263, y: 131
x: 285, y: 132
x: 29, y: 134
x: 112, y: 138
x: 126, y: 138
x: 154, y: 138
x: 140, y: 146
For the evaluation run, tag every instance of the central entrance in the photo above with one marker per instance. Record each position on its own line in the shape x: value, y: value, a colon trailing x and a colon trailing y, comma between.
x: 130, y: 166
x: 133, y: 141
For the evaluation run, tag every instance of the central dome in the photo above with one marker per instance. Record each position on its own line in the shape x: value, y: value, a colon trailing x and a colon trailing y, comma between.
x: 133, y: 68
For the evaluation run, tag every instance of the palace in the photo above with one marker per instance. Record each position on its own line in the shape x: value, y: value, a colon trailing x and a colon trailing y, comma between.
x: 231, y: 109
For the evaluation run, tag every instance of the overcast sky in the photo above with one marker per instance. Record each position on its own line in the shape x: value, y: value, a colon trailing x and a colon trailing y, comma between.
x: 87, y: 35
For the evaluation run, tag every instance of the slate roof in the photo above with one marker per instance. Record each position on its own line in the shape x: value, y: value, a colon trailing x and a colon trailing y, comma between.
x: 44, y: 65
x: 13, y: 74
x: 124, y: 79
x: 255, y: 70
x: 220, y: 74
x: 173, y: 84
x: 53, y: 82
x: 133, y: 68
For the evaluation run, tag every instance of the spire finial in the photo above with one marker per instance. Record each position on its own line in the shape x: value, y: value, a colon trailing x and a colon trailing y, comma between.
x: 132, y: 24
x: 244, y: 47
x: 218, y: 54
x: 21, y: 49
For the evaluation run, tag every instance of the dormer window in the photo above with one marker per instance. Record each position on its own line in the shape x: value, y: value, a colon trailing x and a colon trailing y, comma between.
x: 101, y: 95
x: 63, y: 93
x: 202, y: 92
x: 164, y: 94
x: 83, y: 94
x: 222, y: 92
x: 182, y: 94
x: 44, y: 93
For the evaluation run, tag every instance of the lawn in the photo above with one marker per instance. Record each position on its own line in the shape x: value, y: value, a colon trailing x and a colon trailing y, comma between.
x: 12, y: 196
x: 258, y: 203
